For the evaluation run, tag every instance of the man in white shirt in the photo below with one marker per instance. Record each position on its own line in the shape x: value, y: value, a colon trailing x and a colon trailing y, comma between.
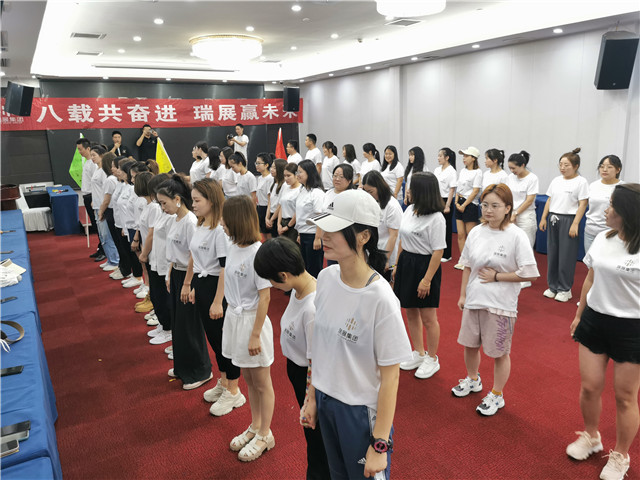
x: 292, y: 151
x: 240, y: 141
x: 313, y: 153
x: 88, y: 168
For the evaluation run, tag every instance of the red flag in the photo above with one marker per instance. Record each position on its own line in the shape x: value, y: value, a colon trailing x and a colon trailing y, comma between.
x: 280, y: 151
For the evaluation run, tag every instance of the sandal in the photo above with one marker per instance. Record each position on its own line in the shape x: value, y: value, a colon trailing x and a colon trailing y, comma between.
x: 239, y: 442
x: 252, y: 451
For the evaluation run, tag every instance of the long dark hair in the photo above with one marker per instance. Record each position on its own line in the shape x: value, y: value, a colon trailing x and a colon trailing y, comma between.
x: 313, y: 178
x: 374, y: 179
x: 375, y: 258
x: 418, y: 162
x: 214, y: 157
x: 450, y: 154
x: 176, y: 186
x: 371, y: 149
x: 279, y: 180
x: 625, y: 200
x: 425, y: 194
x: 227, y: 152
x: 394, y: 150
x: 331, y: 147
x: 496, y: 155
x: 349, y: 152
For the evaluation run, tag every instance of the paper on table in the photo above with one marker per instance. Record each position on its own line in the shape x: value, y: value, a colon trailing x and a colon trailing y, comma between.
x: 12, y: 267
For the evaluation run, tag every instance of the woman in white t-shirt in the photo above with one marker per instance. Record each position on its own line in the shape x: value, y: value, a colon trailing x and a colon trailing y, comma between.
x: 567, y: 202
x: 415, y: 165
x: 371, y: 159
x: 607, y: 326
x: 599, y: 196
x: 342, y: 180
x: 273, y: 208
x: 141, y: 189
x: 309, y: 203
x: 469, y: 186
x: 392, y: 172
x: 247, y: 338
x: 358, y: 324
x: 263, y: 188
x: 418, y: 275
x: 111, y: 192
x: 494, y: 161
x: 288, y: 195
x: 524, y: 186
x: 279, y: 261
x: 329, y: 162
x: 390, y: 218
x: 246, y: 181
x: 191, y: 362
x: 349, y: 156
x: 97, y: 197
x: 496, y: 259
x: 200, y: 166
x: 215, y: 166
x: 447, y: 177
x: 228, y: 178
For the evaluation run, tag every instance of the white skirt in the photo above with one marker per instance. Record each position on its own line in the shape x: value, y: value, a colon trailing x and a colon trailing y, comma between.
x: 235, y: 339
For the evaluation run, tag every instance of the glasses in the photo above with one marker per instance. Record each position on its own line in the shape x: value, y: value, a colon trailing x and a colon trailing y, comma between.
x: 606, y: 167
x: 260, y: 163
x: 493, y: 206
x: 338, y: 177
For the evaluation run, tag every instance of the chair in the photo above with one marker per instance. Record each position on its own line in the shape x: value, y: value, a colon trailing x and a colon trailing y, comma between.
x: 35, y: 219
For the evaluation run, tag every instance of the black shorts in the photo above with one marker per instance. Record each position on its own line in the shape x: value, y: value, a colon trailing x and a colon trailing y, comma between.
x: 410, y: 270
x: 262, y: 211
x: 470, y: 213
x: 618, y: 338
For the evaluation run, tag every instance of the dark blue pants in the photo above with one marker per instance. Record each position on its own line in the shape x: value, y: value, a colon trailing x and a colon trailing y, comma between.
x: 313, y: 259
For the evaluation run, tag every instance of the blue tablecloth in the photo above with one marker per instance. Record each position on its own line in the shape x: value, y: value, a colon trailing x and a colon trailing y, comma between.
x: 64, y: 209
x: 541, y: 237
x: 39, y: 468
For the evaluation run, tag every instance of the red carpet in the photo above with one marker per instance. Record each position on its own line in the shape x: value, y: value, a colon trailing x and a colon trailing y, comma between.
x: 120, y: 416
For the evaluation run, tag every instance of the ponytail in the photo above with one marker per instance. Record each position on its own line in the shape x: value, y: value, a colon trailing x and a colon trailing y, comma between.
x: 176, y: 186
x: 374, y: 257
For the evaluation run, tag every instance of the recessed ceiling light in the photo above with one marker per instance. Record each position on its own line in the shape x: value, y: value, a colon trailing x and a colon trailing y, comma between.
x: 33, y: 76
x: 331, y: 74
x: 158, y: 21
x: 293, y: 47
x: 306, y: 19
x: 274, y: 82
x: 121, y: 50
x: 557, y: 30
x: 137, y: 38
x: 296, y: 7
x: 105, y: 78
x: 368, y: 67
x: 249, y: 29
x: 334, y: 35
x: 168, y: 79
x: 475, y: 45
x: 224, y: 81
x: 413, y: 59
x: 302, y: 80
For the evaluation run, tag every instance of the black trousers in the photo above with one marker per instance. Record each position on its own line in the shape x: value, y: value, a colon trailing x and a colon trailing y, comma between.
x: 317, y: 464
x: 93, y: 228
x: 191, y: 361
x: 160, y: 298
x: 313, y: 259
x: 205, y: 289
x: 121, y: 243
x: 448, y: 217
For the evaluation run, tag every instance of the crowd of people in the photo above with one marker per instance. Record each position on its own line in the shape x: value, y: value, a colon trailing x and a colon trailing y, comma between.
x: 191, y: 246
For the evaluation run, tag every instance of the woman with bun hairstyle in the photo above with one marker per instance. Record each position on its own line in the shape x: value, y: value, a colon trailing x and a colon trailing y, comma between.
x: 191, y: 362
x: 371, y: 159
x: 607, y: 326
x: 567, y: 202
x: 273, y: 210
x: 494, y: 161
x: 469, y: 186
x: 215, y: 166
x: 447, y: 177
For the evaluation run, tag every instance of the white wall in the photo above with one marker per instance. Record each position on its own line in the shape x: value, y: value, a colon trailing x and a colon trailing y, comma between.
x: 537, y: 96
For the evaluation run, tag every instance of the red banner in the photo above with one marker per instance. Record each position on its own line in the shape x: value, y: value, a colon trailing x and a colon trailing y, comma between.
x: 112, y: 113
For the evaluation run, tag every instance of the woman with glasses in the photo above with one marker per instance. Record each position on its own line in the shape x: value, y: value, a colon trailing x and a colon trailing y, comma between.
x: 263, y: 187
x: 496, y: 258
x: 342, y: 180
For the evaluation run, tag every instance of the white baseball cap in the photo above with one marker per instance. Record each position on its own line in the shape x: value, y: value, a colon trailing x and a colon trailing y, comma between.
x: 349, y: 207
x: 473, y: 151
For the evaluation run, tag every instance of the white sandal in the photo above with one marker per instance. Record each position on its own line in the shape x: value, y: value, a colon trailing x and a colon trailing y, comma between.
x: 252, y: 451
x: 239, y: 442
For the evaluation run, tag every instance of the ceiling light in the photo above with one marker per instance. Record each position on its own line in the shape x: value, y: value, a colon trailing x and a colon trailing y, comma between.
x: 249, y: 29
x: 475, y: 45
x: 274, y: 82
x: 226, y: 49
x: 224, y: 81
x: 168, y: 79
x: 296, y: 7
x: 158, y: 21
x: 557, y: 30
x: 334, y: 35
x: 137, y: 38
x: 367, y: 67
x: 105, y: 78
x: 302, y: 80
x: 331, y: 74
x: 413, y: 59
x: 409, y: 8
x: 33, y: 76
x: 2, y: 74
x: 121, y: 50
x: 293, y: 47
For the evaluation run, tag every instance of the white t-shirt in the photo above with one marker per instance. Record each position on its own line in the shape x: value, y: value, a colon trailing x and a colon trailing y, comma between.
x: 207, y: 246
x: 229, y: 180
x: 308, y: 205
x: 566, y: 194
x: 489, y: 178
x: 217, y: 173
x: 314, y: 155
x: 599, y: 197
x: 390, y: 217
x: 274, y: 197
x: 88, y: 169
x: 123, y: 202
x: 198, y: 170
x: 129, y: 199
x: 616, y: 278
x: 288, y: 197
x: 110, y: 185
x: 161, y: 222
x: 238, y: 148
x: 391, y: 177
x: 447, y: 180
x: 295, y: 158
x: 467, y: 181
x: 521, y: 188
x: 356, y: 330
x: 116, y: 205
x: 262, y: 189
x: 178, y: 238
x: 296, y: 327
x: 355, y: 165
x: 505, y: 250
x: 327, y: 202
x: 368, y: 166
x: 139, y: 204
x: 422, y: 234
x: 328, y: 164
x: 247, y: 183
x: 97, y: 188
x: 241, y: 282
x: 410, y: 174
x: 144, y: 224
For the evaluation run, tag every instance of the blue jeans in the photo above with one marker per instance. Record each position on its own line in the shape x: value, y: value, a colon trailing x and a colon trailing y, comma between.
x: 107, y: 242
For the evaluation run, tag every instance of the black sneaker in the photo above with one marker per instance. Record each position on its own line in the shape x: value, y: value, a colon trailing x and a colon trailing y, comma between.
x: 100, y: 258
x: 95, y: 254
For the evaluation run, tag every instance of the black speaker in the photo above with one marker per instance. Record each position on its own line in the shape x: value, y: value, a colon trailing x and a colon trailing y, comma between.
x: 291, y: 96
x: 617, y: 57
x: 19, y: 98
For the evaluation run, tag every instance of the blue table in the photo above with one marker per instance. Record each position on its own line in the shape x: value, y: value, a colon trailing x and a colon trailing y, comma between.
x: 64, y: 210
x: 39, y: 468
x: 541, y: 237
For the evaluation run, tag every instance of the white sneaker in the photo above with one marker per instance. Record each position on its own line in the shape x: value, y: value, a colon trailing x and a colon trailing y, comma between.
x: 110, y: 268
x: 525, y: 284
x: 458, y: 266
x: 445, y: 260
x: 227, y: 402
x: 170, y: 356
x: 616, y: 467
x: 171, y: 373
x: 163, y: 337
x: 428, y: 368
x: 143, y: 293
x: 116, y: 274
x: 213, y: 394
x: 152, y: 313
x: 199, y: 383
x: 490, y: 404
x: 126, y: 279
x: 169, y: 349
x: 563, y: 296
x: 153, y: 321
x: 102, y: 265
x: 155, y: 331
x: 414, y: 363
x: 549, y: 294
x: 584, y: 446
x: 139, y: 289
x: 132, y: 282
x: 466, y: 386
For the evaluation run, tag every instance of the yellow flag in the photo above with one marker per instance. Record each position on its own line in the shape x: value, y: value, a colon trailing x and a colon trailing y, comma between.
x: 162, y: 158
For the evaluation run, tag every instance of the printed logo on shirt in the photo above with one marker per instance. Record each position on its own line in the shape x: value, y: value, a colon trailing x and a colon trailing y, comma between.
x: 204, y: 246
x: 289, y: 332
x: 417, y: 233
x: 500, y: 252
x: 176, y: 240
x: 346, y: 333
x: 629, y: 265
x: 240, y: 271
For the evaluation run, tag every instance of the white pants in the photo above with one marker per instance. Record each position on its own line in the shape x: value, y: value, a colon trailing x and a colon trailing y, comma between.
x: 527, y: 221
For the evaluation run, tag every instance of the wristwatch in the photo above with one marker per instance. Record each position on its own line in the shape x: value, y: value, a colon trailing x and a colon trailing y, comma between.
x: 381, y: 446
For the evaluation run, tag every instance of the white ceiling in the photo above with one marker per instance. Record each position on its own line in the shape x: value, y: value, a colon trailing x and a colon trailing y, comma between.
x: 364, y: 38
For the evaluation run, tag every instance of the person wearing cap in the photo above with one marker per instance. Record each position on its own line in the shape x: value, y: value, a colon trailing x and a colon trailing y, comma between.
x: 469, y: 184
x: 358, y: 323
